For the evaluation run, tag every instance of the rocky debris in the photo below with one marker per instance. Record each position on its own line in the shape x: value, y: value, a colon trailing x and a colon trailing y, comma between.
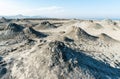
x: 68, y: 39
x: 3, y: 69
x: 67, y: 58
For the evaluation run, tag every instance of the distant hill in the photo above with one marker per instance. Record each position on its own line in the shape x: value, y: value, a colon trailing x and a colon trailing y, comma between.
x: 20, y: 17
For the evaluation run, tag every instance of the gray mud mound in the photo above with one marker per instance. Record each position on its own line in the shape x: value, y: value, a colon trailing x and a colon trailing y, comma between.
x: 57, y: 61
x: 14, y: 27
x: 10, y: 31
x: 106, y: 38
x: 79, y: 33
x: 108, y: 21
x: 87, y: 41
x: 31, y: 33
x: 3, y: 20
x: 79, y: 65
x: 82, y: 34
x: 18, y: 33
x: 91, y: 25
x: 45, y: 25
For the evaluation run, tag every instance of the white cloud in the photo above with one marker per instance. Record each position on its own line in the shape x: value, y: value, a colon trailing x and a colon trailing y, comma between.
x: 45, y: 11
x: 8, y: 8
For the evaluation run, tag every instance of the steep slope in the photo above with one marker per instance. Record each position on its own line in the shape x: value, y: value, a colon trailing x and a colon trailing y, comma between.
x: 107, y: 38
x: 31, y: 33
x: 3, y: 20
x: 91, y: 25
x: 17, y: 33
x: 79, y: 33
x: 87, y: 42
x: 10, y: 31
x: 55, y: 60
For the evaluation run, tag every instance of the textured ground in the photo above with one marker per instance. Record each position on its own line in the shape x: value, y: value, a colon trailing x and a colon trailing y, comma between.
x: 59, y: 49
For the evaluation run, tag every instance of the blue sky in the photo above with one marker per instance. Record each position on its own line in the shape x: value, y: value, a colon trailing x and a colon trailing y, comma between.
x: 62, y: 8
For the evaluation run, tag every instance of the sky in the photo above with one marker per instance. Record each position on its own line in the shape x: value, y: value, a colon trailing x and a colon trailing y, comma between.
x: 62, y: 8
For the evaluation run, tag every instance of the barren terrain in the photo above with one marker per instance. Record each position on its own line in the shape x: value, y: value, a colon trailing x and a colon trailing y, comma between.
x: 59, y: 49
